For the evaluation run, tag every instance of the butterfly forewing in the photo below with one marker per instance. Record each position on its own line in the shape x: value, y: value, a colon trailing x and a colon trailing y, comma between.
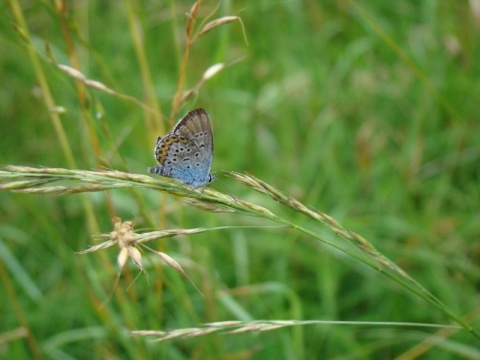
x: 196, y: 126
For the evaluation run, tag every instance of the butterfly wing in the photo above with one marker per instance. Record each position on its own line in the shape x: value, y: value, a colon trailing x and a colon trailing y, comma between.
x: 196, y: 126
x: 186, y: 153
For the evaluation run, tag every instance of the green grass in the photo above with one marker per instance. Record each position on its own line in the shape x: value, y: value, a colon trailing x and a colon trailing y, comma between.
x: 366, y: 111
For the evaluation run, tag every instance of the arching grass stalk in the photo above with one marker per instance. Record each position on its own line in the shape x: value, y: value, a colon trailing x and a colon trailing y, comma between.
x: 235, y: 327
x: 40, y: 181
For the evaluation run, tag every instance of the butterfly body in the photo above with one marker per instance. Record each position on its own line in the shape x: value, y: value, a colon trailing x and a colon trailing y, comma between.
x: 186, y: 153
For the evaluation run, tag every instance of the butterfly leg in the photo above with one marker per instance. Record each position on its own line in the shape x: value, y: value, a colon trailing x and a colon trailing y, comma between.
x: 156, y: 170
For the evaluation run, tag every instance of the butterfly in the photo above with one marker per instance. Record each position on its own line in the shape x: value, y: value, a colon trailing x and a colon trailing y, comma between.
x: 185, y: 154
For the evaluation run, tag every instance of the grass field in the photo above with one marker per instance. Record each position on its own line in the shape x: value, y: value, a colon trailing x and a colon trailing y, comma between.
x: 349, y: 228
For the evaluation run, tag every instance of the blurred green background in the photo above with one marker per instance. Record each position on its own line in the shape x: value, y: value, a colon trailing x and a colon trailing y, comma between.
x: 366, y: 110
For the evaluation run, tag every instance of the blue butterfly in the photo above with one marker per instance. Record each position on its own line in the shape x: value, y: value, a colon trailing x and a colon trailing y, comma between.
x: 185, y: 154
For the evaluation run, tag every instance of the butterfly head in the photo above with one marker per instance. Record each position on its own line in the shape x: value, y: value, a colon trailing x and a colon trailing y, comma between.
x: 211, y: 178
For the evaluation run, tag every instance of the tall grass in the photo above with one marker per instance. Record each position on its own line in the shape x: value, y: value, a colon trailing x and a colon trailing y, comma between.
x: 357, y: 109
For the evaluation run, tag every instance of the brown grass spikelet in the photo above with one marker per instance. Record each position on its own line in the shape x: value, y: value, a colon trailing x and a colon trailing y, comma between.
x: 124, y: 236
x: 191, y: 17
x: 219, y: 22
